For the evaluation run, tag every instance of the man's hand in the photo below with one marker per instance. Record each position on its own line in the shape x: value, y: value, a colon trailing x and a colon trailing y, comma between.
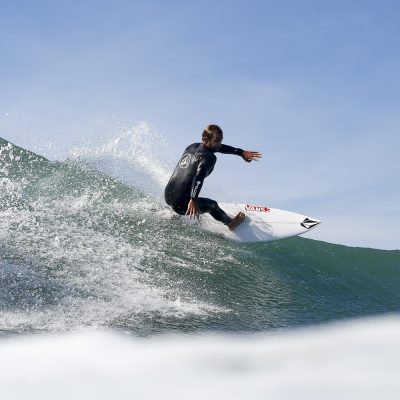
x: 192, y: 210
x: 249, y: 156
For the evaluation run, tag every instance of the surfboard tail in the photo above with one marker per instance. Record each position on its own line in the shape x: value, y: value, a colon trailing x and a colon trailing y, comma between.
x: 310, y: 223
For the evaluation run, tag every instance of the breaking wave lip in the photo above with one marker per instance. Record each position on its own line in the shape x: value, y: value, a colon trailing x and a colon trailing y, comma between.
x: 135, y: 156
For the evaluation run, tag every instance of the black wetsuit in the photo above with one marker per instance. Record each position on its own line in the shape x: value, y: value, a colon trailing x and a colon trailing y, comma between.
x: 196, y: 163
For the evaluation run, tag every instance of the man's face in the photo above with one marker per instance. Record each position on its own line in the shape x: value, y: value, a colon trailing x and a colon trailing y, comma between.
x: 215, y: 143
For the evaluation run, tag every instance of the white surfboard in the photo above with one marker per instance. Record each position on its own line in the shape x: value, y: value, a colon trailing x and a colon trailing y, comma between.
x: 262, y: 224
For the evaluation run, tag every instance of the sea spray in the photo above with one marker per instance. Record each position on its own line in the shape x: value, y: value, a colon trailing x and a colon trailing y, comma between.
x: 135, y: 155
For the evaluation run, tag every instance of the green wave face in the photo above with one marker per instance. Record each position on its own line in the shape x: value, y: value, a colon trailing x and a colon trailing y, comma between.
x: 16, y: 162
x: 79, y: 248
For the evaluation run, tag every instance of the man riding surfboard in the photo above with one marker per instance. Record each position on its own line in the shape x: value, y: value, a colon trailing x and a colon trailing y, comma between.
x: 197, y: 162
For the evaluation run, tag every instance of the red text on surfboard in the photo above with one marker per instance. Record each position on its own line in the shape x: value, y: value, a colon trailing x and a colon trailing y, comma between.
x: 249, y: 207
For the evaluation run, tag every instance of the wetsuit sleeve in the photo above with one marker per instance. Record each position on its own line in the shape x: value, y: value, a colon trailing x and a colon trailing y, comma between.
x: 225, y: 149
x: 204, y: 168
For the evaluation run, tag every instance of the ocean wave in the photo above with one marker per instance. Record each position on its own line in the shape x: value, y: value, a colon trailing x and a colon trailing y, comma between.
x: 89, y: 242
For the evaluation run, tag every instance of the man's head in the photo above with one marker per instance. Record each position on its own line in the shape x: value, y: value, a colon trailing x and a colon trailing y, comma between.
x: 212, y: 137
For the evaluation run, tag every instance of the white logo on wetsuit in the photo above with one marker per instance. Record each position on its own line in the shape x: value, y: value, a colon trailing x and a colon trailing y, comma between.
x: 185, y: 161
x: 196, y: 188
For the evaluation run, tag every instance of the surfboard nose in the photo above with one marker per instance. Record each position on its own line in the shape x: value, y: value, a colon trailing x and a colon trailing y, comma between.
x: 309, y: 223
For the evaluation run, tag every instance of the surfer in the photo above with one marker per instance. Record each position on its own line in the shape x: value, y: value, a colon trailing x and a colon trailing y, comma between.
x: 197, y: 162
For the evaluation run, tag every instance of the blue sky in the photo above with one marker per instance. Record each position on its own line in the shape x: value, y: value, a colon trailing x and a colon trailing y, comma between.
x: 314, y: 85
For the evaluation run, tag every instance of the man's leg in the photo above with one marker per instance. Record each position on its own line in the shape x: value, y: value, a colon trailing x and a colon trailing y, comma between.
x: 211, y: 206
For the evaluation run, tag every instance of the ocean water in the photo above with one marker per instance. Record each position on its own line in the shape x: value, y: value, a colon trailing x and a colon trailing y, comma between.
x: 81, y: 246
x: 87, y: 244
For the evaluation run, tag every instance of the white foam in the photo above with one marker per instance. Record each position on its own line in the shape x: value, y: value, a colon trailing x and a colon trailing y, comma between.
x: 356, y: 360
x: 99, y: 276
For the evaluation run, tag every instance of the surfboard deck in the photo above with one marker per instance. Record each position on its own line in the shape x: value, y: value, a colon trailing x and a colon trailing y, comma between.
x: 262, y: 224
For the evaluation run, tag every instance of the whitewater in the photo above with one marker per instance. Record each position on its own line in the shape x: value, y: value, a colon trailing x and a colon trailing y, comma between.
x: 88, y: 244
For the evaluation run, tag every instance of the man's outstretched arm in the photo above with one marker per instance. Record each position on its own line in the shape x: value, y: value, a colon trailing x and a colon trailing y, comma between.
x: 247, y: 155
x: 225, y: 149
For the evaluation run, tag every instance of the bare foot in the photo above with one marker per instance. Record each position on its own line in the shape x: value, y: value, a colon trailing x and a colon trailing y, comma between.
x: 236, y: 221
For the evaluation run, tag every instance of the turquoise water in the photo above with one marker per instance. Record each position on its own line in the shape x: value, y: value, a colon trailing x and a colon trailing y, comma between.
x: 81, y: 248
